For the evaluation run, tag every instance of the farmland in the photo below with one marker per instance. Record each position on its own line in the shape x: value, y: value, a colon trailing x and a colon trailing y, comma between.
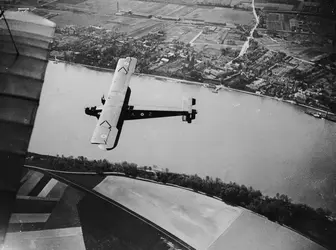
x: 203, y: 27
x: 103, y: 13
x: 194, y: 40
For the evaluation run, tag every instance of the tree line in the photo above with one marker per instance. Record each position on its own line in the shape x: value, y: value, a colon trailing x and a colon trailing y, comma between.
x: 316, y: 224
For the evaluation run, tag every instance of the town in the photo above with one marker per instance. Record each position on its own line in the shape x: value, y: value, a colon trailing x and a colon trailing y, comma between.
x: 280, y: 51
x: 290, y: 57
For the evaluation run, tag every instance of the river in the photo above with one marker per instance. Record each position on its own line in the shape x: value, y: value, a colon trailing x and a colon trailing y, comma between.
x: 267, y: 144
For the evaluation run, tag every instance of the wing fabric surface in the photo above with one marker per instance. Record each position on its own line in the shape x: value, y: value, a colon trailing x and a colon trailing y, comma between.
x: 106, y: 130
x: 21, y: 81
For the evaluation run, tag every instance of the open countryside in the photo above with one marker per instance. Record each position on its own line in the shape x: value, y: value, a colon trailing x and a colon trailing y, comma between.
x: 269, y: 145
x: 289, y: 58
x: 270, y: 48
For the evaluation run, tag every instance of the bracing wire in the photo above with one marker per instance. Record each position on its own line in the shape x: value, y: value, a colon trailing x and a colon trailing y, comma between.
x: 10, y: 33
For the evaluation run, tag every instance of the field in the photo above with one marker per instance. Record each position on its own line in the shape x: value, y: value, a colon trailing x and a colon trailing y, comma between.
x: 183, y: 33
x: 182, y: 11
x: 102, y: 13
x: 221, y: 36
x: 196, y: 219
x: 222, y: 15
x: 261, y: 234
x: 202, y: 222
x: 316, y: 26
x: 292, y: 47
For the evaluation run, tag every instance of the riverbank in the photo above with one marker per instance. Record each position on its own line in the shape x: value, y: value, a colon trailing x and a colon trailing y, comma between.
x: 102, y: 69
x: 312, y: 223
x: 206, y: 85
x: 187, y: 64
x: 280, y: 100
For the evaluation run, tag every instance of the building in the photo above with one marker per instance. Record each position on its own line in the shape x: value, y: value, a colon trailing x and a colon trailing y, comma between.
x: 200, y: 65
x: 258, y: 70
x: 164, y: 60
x: 138, y: 14
x: 170, y: 18
x: 183, y: 55
x: 171, y: 54
x: 257, y: 84
x: 212, y: 73
x: 209, y: 29
x: 295, y: 24
x: 300, y: 97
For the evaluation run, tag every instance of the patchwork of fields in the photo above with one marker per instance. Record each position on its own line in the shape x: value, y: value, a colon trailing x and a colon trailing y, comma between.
x: 103, y: 13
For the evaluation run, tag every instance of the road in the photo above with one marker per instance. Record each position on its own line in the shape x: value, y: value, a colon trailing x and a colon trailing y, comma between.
x: 192, y: 40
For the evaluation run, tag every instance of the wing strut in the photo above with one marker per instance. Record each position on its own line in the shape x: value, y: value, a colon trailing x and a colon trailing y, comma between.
x: 2, y: 14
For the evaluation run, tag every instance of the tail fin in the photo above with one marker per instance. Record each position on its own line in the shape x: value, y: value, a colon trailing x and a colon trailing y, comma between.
x: 187, y: 104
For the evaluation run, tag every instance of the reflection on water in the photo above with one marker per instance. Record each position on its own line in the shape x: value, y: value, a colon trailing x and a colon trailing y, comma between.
x: 267, y: 144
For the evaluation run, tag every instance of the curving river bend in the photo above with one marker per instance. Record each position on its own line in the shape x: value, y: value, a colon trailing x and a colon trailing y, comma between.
x: 270, y: 145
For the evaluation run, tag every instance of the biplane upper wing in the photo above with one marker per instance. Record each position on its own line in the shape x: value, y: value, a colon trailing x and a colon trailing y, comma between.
x: 106, y: 130
x: 21, y: 80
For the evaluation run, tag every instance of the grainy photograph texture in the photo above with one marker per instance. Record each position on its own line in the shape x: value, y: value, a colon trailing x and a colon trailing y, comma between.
x: 167, y: 124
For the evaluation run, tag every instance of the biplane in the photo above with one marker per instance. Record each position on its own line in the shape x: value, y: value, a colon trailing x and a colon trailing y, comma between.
x: 25, y: 41
x: 116, y: 109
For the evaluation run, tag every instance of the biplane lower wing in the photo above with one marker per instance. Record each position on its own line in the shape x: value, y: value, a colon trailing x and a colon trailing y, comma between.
x: 107, y: 129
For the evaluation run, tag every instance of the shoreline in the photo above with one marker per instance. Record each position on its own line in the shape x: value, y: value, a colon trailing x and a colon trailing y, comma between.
x: 136, y: 74
x: 278, y: 99
x: 165, y: 78
x: 142, y: 179
x: 86, y: 167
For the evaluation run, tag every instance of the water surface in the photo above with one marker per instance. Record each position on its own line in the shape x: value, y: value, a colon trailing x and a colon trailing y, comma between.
x: 270, y: 145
